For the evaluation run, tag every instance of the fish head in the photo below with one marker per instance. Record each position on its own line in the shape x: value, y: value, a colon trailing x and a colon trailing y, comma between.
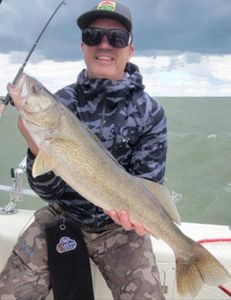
x: 35, y: 103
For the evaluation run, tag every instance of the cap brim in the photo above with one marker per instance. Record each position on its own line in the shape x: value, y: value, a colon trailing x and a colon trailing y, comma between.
x: 85, y: 19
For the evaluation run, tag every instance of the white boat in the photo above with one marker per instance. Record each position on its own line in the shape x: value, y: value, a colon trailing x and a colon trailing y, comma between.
x: 216, y: 238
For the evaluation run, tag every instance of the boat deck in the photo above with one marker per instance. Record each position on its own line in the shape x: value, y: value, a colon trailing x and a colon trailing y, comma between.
x: 216, y: 238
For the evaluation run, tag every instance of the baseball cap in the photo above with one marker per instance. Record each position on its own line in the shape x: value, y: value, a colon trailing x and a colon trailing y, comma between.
x: 107, y: 9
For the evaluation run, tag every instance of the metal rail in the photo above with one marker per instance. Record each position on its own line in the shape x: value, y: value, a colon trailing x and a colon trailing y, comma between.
x: 16, y: 191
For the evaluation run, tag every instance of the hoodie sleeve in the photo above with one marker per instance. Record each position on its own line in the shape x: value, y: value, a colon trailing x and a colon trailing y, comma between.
x: 149, y: 154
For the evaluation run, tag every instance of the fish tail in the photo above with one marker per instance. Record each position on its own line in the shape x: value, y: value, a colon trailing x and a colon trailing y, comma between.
x: 199, y: 268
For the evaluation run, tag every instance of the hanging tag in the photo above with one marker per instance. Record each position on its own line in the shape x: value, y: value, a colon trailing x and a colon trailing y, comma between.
x: 62, y: 226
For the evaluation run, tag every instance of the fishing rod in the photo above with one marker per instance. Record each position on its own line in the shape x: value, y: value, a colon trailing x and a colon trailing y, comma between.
x: 5, y: 101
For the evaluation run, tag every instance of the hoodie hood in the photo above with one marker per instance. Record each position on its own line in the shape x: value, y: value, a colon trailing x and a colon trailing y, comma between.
x: 115, y: 90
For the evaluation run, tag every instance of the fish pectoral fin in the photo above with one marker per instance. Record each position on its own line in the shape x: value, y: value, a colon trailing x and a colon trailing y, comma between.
x: 162, y: 194
x: 41, y: 165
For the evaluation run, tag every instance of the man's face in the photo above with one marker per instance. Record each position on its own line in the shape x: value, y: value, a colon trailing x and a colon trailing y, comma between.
x: 103, y: 60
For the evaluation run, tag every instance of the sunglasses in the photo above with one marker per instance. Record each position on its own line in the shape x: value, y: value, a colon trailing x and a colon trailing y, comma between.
x: 117, y: 38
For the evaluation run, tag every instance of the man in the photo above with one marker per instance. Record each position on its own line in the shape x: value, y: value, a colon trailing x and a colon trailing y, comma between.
x: 109, y: 98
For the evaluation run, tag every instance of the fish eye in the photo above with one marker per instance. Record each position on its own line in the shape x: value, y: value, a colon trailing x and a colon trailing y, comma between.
x: 37, y: 88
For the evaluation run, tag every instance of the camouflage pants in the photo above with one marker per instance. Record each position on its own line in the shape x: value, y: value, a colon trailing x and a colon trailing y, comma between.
x: 125, y: 260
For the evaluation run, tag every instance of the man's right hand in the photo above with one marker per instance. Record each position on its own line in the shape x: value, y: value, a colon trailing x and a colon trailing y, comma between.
x: 15, y: 96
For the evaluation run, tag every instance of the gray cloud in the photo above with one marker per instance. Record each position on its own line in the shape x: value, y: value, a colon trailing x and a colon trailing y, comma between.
x: 159, y: 25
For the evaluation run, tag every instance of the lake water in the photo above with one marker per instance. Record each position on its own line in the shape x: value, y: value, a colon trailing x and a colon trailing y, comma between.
x: 199, y: 157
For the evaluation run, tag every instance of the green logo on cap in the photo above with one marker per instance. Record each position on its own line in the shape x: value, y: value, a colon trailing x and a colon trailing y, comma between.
x: 106, y: 5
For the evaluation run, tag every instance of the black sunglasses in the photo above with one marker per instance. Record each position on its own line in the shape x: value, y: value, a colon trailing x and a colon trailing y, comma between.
x: 117, y: 38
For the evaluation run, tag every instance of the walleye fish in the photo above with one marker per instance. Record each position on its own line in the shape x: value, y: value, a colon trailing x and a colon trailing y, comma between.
x: 69, y: 149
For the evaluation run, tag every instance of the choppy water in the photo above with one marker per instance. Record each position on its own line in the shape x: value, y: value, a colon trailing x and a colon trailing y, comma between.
x: 199, y: 157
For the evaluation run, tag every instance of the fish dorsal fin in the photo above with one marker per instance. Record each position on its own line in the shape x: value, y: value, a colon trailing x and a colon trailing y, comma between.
x: 41, y: 165
x: 163, y: 195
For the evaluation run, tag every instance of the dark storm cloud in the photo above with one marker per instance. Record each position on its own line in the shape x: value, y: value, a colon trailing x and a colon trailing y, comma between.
x: 186, y: 25
x: 159, y: 25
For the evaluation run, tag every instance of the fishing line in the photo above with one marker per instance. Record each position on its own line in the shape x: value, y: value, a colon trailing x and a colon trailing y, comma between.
x: 5, y: 101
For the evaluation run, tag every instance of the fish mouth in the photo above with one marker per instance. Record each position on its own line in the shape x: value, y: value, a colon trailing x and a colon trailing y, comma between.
x: 20, y: 81
x: 22, y: 85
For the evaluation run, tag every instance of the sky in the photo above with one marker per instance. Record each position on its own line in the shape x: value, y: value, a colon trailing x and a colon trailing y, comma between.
x: 182, y: 47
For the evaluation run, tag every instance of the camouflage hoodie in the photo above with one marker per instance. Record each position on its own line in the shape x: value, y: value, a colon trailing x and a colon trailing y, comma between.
x: 130, y: 124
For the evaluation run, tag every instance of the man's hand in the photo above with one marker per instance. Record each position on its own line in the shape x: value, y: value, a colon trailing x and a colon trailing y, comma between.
x: 17, y: 101
x: 122, y: 219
